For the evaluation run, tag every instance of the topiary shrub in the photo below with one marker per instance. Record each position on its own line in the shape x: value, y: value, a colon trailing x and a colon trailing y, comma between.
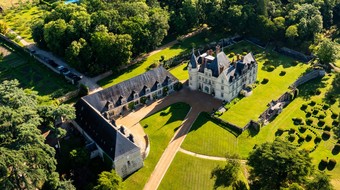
x: 327, y: 128
x: 291, y: 137
x: 312, y: 103
x: 326, y: 135
x: 282, y: 73
x: 301, y: 140
x: 317, y: 92
x: 309, y: 137
x: 302, y: 129
x: 325, y: 107
x: 335, y: 115
x: 317, y: 140
x: 321, y: 122
x: 131, y: 105
x: 291, y: 131
x: 323, y: 164
x: 331, y: 164
x: 335, y: 123
x: 298, y: 121
x: 304, y: 107
x: 321, y: 116
x: 265, y: 81
x: 309, y: 121
x: 336, y: 149
x: 308, y: 114
x: 315, y: 112
x: 279, y: 132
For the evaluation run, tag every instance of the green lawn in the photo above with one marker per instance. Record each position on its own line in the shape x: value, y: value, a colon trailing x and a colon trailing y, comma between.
x: 31, y: 74
x: 181, y: 72
x: 251, y: 107
x: 168, y: 53
x: 20, y: 20
x: 160, y: 128
x: 208, y: 138
x: 188, y: 172
x: 337, y: 63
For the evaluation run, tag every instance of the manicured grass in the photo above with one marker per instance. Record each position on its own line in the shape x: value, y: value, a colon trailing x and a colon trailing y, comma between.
x: 208, y: 138
x: 181, y: 72
x: 251, y: 107
x: 32, y: 75
x: 188, y: 172
x: 142, y: 67
x: 21, y: 19
x: 160, y: 128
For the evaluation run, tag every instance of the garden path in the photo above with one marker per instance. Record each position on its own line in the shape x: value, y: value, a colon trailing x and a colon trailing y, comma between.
x: 209, y: 157
x: 198, y: 101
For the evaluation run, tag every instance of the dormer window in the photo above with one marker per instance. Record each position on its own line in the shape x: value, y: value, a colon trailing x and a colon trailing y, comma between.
x: 147, y: 90
x: 135, y: 95
x: 158, y: 85
x: 110, y: 106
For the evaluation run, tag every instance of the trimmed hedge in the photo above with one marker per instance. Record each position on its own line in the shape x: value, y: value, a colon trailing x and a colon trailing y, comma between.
x: 312, y: 103
x: 304, y: 106
x: 309, y: 137
x: 331, y: 164
x: 327, y: 128
x: 265, y: 81
x: 323, y: 164
x: 302, y: 129
x: 326, y: 135
x: 291, y: 137
x: 282, y: 73
x: 317, y: 140
x: 309, y: 121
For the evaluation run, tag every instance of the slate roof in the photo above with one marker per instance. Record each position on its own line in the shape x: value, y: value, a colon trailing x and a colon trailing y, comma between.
x: 220, y: 60
x: 102, y: 131
x: 240, y: 65
x: 125, y: 89
x: 193, y: 60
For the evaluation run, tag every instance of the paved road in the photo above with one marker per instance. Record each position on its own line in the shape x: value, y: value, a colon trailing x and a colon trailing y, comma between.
x: 197, y: 100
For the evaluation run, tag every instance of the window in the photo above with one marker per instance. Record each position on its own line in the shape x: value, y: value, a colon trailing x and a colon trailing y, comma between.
x: 222, y: 94
x: 190, y: 78
x: 199, y: 77
x: 222, y: 87
x: 158, y: 85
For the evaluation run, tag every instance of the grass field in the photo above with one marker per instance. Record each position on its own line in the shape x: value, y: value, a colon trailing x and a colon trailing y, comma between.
x: 187, y: 172
x: 208, y: 138
x: 180, y: 72
x: 251, y: 107
x: 160, y: 128
x: 20, y: 20
x: 31, y: 74
x: 142, y: 67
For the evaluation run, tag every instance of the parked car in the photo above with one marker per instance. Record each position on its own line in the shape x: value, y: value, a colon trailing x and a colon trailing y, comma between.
x: 52, y: 63
x: 65, y: 71
x: 74, y: 76
x: 59, y: 68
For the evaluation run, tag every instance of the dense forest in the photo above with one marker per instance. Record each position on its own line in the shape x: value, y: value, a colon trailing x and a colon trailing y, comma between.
x: 99, y: 35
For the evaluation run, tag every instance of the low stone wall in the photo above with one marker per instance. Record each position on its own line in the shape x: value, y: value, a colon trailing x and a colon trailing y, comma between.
x: 307, y: 77
x: 294, y: 54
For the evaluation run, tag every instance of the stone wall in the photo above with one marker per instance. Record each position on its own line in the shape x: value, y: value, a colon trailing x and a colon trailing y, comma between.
x: 128, y: 163
x: 307, y: 77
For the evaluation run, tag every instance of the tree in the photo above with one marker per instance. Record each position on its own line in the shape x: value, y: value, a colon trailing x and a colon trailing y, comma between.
x: 227, y: 175
x: 109, y: 181
x: 278, y: 164
x: 54, y: 33
x: 321, y: 181
x: 292, y: 33
x: 328, y: 51
x: 26, y: 162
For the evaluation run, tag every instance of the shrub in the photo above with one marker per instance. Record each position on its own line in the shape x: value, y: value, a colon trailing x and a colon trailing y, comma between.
x: 178, y: 86
x: 218, y: 113
x: 83, y: 90
x: 291, y: 137
x: 309, y: 121
x: 304, y: 106
x: 291, y: 131
x: 265, y: 81
x: 336, y: 149
x: 279, y: 132
x: 270, y: 68
x: 315, y: 111
x: 318, y: 92
x: 131, y: 105
x: 244, y: 53
x: 282, y: 73
x: 294, y: 63
x: 322, y: 116
x: 301, y: 140
x: 326, y: 135
x: 335, y: 115
x: 327, y: 128
x: 143, y: 100
x: 323, y: 164
x: 312, y: 103
x: 331, y: 164
x: 321, y: 122
x: 231, y: 55
x: 325, y: 107
x: 335, y: 123
x: 309, y: 137
x: 308, y: 114
x: 317, y: 140
x: 298, y: 121
x: 146, y: 126
x: 302, y: 129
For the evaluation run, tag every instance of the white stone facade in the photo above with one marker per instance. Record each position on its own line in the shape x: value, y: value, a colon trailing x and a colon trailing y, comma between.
x: 220, y: 77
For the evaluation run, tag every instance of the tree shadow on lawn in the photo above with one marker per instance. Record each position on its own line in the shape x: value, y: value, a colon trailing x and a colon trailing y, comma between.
x: 307, y: 90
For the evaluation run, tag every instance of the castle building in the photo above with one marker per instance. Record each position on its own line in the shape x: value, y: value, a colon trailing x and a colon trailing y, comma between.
x: 95, y: 118
x: 218, y: 76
